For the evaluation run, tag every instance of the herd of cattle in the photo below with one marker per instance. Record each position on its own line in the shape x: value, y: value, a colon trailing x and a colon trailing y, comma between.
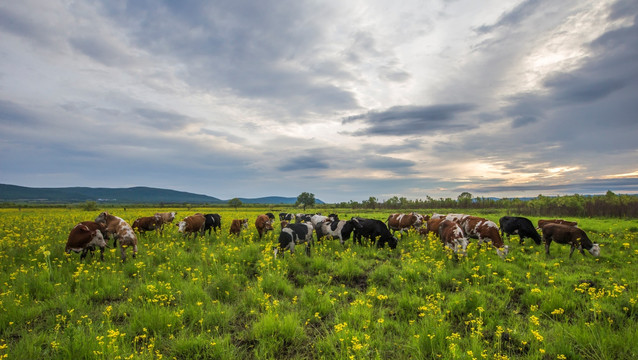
x: 454, y: 230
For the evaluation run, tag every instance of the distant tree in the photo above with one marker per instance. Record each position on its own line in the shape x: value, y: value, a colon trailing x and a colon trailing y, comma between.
x: 234, y: 202
x: 305, y: 199
x: 89, y: 206
x: 372, y: 202
x: 465, y: 199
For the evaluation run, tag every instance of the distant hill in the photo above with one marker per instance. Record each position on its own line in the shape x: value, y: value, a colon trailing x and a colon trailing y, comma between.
x: 133, y: 195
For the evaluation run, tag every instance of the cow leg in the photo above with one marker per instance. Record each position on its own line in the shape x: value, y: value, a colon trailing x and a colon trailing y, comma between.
x: 102, y: 253
x: 83, y: 254
x: 134, y: 250
x: 547, y: 242
x: 123, y: 252
x: 571, y: 251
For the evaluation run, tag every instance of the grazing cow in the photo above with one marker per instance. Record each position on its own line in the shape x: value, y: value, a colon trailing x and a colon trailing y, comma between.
x: 455, y: 217
x: 294, y: 234
x: 403, y: 222
x: 147, y: 223
x: 484, y: 230
x: 165, y: 218
x: 83, y: 239
x: 302, y: 218
x: 121, y: 232
x: 193, y: 224
x: 316, y: 220
x: 565, y: 234
x: 283, y: 224
x: 336, y: 229
x: 236, y: 225
x: 452, y: 236
x: 271, y: 216
x: 519, y: 225
x: 374, y: 230
x: 213, y: 222
x: 333, y: 217
x: 432, y: 226
x: 263, y: 225
x: 286, y: 216
x: 543, y: 222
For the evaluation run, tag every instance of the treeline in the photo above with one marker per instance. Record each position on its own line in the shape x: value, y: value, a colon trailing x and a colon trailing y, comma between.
x: 608, y: 205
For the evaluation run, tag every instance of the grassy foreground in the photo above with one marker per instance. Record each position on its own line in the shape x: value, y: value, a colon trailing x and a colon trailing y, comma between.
x: 226, y: 297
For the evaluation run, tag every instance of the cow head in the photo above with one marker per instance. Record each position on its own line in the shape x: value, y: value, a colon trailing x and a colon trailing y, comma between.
x: 503, y: 253
x: 102, y: 217
x: 181, y: 226
x: 595, y: 249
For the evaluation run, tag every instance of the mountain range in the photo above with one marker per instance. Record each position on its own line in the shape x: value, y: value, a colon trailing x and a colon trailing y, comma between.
x: 132, y: 195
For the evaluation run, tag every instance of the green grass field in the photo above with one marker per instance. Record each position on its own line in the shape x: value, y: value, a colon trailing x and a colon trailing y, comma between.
x: 227, y: 297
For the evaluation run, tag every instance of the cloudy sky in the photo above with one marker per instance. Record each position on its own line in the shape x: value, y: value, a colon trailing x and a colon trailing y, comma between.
x: 343, y: 99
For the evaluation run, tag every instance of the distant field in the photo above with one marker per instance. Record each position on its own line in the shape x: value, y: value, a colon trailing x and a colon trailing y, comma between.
x: 228, y: 298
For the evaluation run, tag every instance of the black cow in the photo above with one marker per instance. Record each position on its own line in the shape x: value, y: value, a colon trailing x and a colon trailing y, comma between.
x: 511, y: 225
x: 294, y: 234
x: 565, y: 234
x: 213, y: 222
x: 375, y: 230
x: 286, y: 216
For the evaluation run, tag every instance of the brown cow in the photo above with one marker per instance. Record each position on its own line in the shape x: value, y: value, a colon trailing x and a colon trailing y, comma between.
x: 565, y: 234
x: 165, y: 218
x: 147, y: 223
x: 237, y: 224
x: 121, y: 232
x: 193, y: 224
x: 263, y: 225
x: 484, y: 230
x: 543, y: 222
x: 84, y: 238
x: 452, y: 236
x: 403, y: 222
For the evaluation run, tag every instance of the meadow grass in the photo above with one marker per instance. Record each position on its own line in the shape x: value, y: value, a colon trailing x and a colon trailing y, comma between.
x: 227, y: 297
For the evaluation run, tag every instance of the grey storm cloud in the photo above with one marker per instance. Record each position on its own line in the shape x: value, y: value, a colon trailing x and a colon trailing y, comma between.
x: 303, y: 163
x: 14, y: 114
x: 514, y: 16
x: 163, y: 120
x: 404, y: 120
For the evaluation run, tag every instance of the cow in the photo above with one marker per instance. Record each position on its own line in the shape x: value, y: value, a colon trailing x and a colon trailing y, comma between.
x: 484, y: 230
x: 316, y: 220
x: 147, y: 223
x: 401, y: 222
x: 83, y: 238
x: 432, y: 226
x: 565, y: 234
x: 263, y: 225
x: 236, y: 225
x: 286, y: 216
x: 455, y: 217
x: 283, y: 224
x: 165, y: 218
x: 336, y: 229
x: 374, y: 230
x: 519, y: 225
x: 193, y: 224
x: 302, y: 218
x: 294, y: 234
x: 543, y: 222
x: 452, y: 236
x: 120, y: 231
x: 212, y: 222
x: 271, y: 216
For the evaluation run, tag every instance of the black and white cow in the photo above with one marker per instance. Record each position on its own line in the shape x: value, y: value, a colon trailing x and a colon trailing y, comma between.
x: 336, y: 229
x: 286, y: 216
x: 303, y: 218
x: 374, y: 230
x: 213, y: 222
x: 521, y: 226
x: 294, y: 234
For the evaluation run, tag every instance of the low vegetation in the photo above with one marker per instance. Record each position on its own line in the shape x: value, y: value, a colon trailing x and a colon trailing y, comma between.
x: 227, y: 297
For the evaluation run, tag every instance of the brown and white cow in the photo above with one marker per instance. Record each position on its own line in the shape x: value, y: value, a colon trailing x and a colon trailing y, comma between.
x: 165, y: 218
x: 120, y: 231
x: 236, y: 225
x: 401, y: 222
x: 565, y: 234
x: 85, y: 237
x: 147, y: 223
x: 263, y: 225
x: 543, y: 222
x: 484, y: 230
x: 432, y: 226
x: 452, y: 236
x: 193, y: 224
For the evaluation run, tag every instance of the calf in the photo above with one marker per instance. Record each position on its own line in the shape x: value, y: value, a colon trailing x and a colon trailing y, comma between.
x: 543, y: 222
x: 519, y: 225
x: 336, y: 229
x: 294, y: 234
x: 484, y: 230
x: 165, y: 218
x: 236, y: 225
x: 452, y: 236
x: 148, y: 223
x: 212, y: 222
x: 121, y: 232
x: 193, y: 224
x: 374, y: 230
x: 84, y: 239
x: 263, y: 225
x: 565, y: 234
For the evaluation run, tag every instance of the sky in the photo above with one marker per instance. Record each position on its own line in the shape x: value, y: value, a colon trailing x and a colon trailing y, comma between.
x: 342, y: 99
